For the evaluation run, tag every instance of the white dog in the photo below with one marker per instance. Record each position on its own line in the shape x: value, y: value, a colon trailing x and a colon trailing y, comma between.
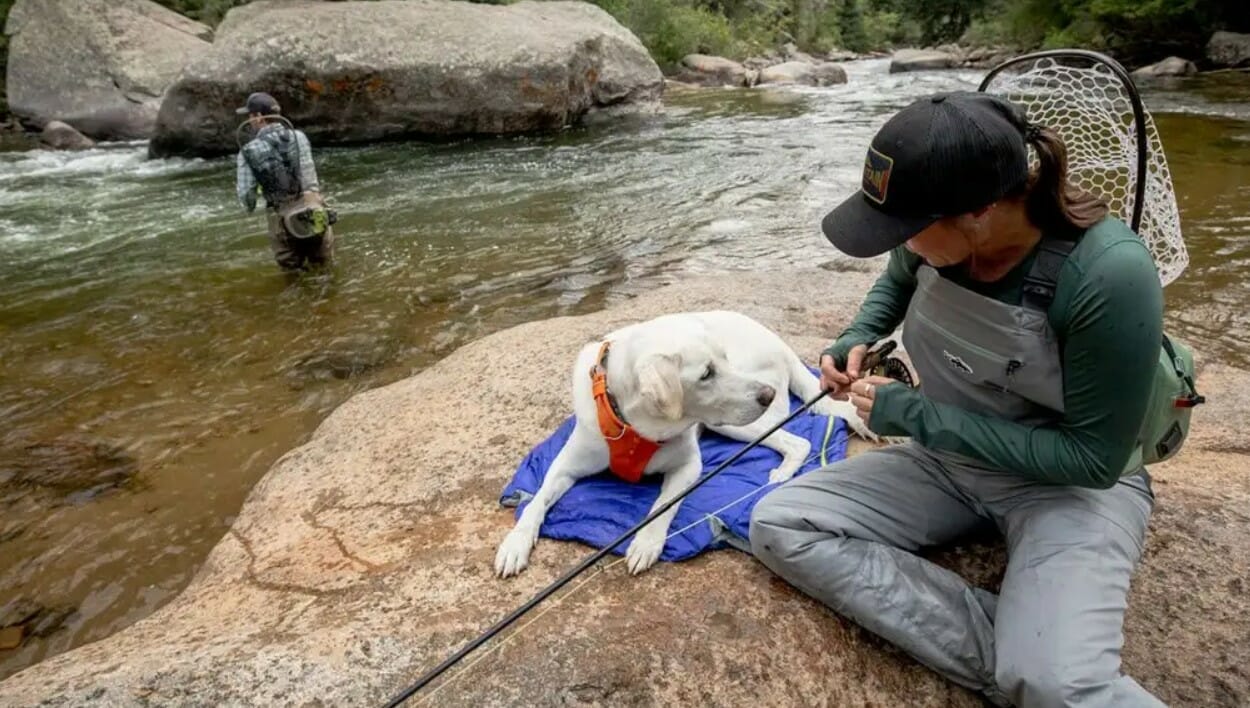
x: 659, y: 381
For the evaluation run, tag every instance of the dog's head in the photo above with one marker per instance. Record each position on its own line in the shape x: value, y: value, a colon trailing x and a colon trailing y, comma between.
x: 684, y: 375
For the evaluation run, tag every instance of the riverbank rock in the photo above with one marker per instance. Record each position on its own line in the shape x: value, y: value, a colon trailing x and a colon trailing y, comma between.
x: 800, y: 72
x: 1172, y: 66
x: 706, y: 70
x: 364, y: 558
x: 1229, y: 49
x: 921, y: 60
x: 355, y: 71
x: 99, y: 65
x: 60, y: 136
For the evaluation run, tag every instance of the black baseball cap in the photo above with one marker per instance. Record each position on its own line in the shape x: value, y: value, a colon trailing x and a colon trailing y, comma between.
x: 261, y: 103
x: 943, y: 155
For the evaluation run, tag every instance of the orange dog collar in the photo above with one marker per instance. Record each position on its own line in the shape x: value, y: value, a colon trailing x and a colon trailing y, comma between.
x: 628, y: 452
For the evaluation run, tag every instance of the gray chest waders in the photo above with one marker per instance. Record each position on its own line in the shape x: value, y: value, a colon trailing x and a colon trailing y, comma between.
x: 981, y: 355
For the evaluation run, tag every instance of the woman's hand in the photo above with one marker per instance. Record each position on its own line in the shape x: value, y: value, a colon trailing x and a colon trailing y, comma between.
x: 864, y: 391
x: 839, y: 382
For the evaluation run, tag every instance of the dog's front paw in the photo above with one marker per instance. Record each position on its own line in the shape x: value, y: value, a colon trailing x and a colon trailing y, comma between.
x: 645, y: 549
x: 514, y: 553
x: 861, y: 428
x: 784, y: 471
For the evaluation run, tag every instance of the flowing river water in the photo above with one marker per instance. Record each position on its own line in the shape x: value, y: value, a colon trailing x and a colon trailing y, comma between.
x: 147, y: 336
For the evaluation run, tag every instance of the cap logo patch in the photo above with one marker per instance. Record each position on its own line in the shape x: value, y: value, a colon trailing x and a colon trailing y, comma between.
x: 877, y: 168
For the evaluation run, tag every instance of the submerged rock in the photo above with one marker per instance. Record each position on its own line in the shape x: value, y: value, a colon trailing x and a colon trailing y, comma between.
x: 343, y: 360
x: 70, y: 468
x: 23, y: 618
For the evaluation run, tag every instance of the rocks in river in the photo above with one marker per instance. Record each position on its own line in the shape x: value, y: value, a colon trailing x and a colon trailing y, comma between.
x: 357, y: 71
x: 98, y: 65
x: 802, y: 69
x: 948, y: 56
x: 799, y: 72
x: 60, y: 136
x: 921, y: 60
x: 1229, y: 49
x: 707, y: 70
x: 1172, y: 66
x: 70, y: 468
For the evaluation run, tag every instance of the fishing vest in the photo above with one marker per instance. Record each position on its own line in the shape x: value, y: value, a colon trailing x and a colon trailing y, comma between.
x: 979, y: 354
x: 273, y: 156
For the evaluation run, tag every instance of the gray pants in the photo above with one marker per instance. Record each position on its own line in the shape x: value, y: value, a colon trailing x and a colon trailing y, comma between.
x: 846, y: 535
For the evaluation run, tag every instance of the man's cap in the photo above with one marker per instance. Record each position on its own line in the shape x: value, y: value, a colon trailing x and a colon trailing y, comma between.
x: 943, y: 155
x: 261, y: 103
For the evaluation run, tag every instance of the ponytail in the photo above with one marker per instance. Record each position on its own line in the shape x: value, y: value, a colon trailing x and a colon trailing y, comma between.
x: 1054, y: 204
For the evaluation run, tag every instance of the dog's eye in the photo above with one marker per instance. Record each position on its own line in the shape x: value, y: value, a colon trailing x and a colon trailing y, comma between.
x: 708, y: 374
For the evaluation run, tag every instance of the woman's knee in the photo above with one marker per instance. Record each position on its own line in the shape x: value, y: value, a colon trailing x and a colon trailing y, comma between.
x: 779, y: 531
x: 1046, y: 682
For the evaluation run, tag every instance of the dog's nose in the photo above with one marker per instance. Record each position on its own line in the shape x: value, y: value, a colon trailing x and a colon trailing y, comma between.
x: 766, y: 396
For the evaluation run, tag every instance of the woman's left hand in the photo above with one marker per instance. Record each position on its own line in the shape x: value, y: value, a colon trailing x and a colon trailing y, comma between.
x: 864, y: 392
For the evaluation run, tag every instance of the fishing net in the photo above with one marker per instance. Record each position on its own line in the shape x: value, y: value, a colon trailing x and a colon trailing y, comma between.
x: 1090, y: 102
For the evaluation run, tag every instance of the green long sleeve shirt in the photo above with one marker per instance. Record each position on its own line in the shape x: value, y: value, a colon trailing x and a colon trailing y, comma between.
x: 1107, y: 313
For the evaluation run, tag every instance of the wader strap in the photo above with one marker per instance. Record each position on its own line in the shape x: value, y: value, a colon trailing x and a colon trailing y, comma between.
x: 1193, y: 398
x: 1043, y: 276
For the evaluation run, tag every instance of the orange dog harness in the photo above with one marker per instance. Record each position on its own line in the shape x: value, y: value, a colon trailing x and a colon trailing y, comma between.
x: 628, y: 452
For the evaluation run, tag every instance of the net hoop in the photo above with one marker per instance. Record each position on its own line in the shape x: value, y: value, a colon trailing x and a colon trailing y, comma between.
x: 1117, y: 155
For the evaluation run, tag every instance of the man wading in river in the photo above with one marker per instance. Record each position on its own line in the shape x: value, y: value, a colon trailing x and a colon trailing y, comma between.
x: 278, y: 163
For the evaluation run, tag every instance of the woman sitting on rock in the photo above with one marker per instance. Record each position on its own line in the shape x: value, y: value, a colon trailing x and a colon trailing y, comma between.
x: 1034, y: 322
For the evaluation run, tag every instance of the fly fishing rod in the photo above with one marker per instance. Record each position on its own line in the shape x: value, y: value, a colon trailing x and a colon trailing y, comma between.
x: 871, y: 360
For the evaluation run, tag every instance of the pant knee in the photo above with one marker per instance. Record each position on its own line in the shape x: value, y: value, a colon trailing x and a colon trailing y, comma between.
x: 776, y: 534
x: 1042, y: 683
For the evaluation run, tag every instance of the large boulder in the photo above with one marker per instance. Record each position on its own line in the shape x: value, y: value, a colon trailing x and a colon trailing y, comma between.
x: 921, y: 60
x: 707, y: 70
x: 1172, y: 66
x: 359, y: 71
x: 365, y: 557
x: 1229, y: 49
x: 804, y: 73
x: 99, y: 65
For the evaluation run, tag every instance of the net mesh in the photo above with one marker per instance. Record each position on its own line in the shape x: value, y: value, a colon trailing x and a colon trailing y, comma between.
x: 1091, y: 109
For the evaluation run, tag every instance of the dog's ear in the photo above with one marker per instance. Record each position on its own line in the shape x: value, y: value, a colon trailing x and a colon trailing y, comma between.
x: 659, y: 385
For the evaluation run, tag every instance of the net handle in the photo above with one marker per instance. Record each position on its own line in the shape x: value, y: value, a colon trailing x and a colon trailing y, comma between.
x: 1139, y: 111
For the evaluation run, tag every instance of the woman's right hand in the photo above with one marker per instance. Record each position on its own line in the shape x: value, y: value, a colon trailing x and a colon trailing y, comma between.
x: 839, y: 382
